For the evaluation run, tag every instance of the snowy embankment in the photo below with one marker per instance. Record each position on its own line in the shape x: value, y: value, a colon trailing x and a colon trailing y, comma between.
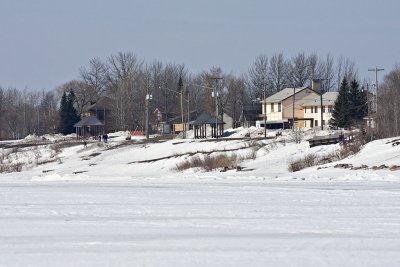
x: 263, y: 159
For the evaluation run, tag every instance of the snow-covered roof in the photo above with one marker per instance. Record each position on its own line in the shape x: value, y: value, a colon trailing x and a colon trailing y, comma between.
x: 207, y: 119
x: 88, y: 121
x: 283, y: 94
x: 328, y: 98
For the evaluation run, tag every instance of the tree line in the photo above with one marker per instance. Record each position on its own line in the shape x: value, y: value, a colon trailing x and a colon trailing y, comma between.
x: 126, y: 80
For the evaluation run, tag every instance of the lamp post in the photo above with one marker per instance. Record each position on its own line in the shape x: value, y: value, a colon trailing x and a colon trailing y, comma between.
x: 148, y: 98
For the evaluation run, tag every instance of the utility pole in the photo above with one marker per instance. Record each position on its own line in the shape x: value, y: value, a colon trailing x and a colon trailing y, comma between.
x: 148, y: 98
x: 376, y: 70
x: 369, y: 114
x: 216, y: 104
x: 294, y: 100
x: 180, y: 86
x: 188, y: 110
x: 265, y: 109
x: 322, y: 104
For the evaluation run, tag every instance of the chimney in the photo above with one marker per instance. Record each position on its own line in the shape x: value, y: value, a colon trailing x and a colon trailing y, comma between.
x: 316, y: 85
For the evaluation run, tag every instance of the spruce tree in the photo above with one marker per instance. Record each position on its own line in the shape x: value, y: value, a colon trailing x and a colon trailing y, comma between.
x: 357, y: 99
x: 68, y: 114
x: 341, y: 111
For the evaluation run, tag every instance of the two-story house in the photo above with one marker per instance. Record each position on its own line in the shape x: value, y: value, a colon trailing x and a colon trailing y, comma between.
x: 286, y: 106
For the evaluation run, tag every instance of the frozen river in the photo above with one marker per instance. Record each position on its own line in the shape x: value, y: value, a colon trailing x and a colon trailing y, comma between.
x: 199, y: 223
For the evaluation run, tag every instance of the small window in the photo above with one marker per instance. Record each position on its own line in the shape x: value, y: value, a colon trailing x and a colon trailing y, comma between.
x: 316, y: 109
x: 272, y: 107
x: 330, y: 109
x: 323, y: 109
x: 305, y: 109
x: 316, y: 123
x: 279, y: 107
x: 323, y: 122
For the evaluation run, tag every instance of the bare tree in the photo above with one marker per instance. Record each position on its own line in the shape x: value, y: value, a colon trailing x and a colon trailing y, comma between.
x: 235, y: 98
x: 328, y: 73
x: 258, y: 74
x: 49, y: 112
x: 346, y: 69
x: 300, y: 70
x: 388, y: 116
x: 123, y: 72
x: 278, y: 73
x: 84, y: 94
x: 95, y: 77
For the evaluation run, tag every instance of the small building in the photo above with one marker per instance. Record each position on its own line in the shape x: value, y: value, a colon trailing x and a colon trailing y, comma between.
x: 102, y: 110
x: 207, y: 123
x: 89, y: 127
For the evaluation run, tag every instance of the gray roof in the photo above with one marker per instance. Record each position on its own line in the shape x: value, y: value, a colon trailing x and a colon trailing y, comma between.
x: 205, y: 118
x: 283, y: 94
x: 88, y: 121
x: 328, y: 98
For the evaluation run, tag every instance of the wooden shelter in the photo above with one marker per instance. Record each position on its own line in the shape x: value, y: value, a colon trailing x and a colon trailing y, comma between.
x: 89, y: 127
x: 205, y: 121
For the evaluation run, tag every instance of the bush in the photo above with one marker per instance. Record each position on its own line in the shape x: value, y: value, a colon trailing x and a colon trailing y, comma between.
x: 352, y: 147
x: 14, y: 167
x: 209, y: 162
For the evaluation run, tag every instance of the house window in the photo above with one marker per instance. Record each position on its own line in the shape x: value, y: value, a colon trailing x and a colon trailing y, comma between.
x: 272, y: 107
x: 323, y: 109
x: 305, y: 109
x: 323, y: 122
x: 330, y: 109
x: 316, y: 123
x: 279, y: 107
x: 316, y: 109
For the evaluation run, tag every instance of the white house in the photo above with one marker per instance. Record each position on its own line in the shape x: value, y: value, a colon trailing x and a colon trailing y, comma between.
x: 312, y: 109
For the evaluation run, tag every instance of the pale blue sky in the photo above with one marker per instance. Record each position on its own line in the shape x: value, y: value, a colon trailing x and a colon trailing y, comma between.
x: 44, y: 43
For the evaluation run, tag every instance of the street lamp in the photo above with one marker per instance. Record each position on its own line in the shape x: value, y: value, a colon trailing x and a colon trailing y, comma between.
x: 148, y: 98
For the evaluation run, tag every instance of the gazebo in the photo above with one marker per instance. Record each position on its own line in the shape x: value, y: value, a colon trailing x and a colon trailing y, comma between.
x: 205, y: 121
x: 89, y: 127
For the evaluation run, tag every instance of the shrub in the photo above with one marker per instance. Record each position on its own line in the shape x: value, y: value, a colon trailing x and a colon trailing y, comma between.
x: 209, y: 162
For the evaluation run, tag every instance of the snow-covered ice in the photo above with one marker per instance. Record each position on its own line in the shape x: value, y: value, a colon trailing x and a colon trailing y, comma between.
x: 98, y: 206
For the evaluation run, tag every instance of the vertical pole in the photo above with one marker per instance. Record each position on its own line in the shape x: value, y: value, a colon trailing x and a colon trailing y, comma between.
x: 183, y: 121
x: 188, y: 112
x: 265, y: 112
x: 216, y: 108
x: 180, y: 91
x: 147, y: 116
x: 322, y: 114
x: 369, y: 114
x: 376, y: 70
x: 294, y: 96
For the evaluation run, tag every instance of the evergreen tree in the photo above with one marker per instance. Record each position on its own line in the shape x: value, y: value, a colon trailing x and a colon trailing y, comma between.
x: 68, y: 113
x: 357, y: 101
x: 341, y: 112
